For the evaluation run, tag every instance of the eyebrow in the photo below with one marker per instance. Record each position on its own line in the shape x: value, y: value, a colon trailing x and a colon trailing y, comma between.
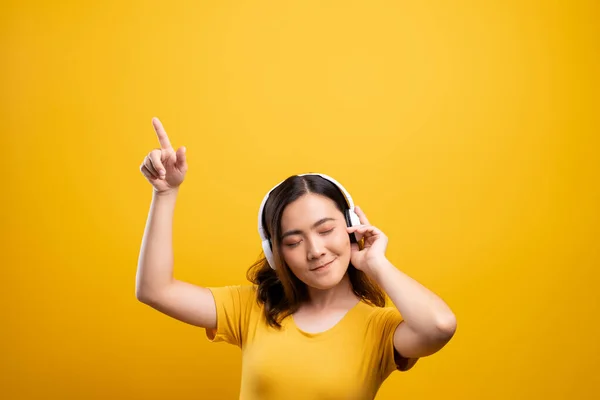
x: 298, y: 231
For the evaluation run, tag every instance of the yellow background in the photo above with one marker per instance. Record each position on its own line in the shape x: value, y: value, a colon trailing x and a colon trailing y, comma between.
x: 467, y: 131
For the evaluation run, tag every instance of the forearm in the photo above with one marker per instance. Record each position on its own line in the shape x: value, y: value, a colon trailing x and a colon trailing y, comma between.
x: 155, y: 262
x: 422, y: 310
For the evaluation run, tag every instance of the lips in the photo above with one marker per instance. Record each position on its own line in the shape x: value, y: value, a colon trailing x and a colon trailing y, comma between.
x: 323, y: 265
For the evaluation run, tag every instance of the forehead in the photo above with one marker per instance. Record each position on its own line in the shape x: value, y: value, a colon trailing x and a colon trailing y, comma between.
x: 308, y: 209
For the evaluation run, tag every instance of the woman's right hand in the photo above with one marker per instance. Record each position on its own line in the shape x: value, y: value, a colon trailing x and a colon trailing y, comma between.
x: 164, y: 168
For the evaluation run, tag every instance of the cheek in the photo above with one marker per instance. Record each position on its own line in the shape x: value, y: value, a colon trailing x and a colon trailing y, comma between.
x: 296, y: 263
x: 342, y: 241
x: 293, y: 258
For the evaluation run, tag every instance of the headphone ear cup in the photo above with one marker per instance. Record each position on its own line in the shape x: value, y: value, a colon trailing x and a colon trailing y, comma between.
x: 267, y: 250
x: 349, y: 223
x: 354, y: 219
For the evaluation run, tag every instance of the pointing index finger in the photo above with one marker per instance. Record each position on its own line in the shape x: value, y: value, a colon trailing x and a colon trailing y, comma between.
x: 162, y: 135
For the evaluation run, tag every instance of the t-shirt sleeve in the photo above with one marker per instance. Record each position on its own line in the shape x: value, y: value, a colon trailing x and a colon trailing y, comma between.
x: 234, y: 305
x: 384, y: 322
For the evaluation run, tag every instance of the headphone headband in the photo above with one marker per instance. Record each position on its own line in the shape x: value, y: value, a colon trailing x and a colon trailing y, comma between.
x: 262, y: 231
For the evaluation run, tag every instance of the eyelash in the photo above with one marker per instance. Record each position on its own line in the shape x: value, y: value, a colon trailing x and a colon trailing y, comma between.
x: 297, y: 243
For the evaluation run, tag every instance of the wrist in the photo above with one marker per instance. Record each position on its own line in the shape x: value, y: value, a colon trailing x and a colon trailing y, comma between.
x: 166, y: 193
x: 378, y: 269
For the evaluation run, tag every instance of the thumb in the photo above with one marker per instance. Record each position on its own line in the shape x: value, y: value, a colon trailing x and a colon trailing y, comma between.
x: 180, y: 164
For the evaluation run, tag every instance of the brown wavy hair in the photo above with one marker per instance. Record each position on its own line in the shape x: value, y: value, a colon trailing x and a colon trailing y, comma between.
x: 280, y: 291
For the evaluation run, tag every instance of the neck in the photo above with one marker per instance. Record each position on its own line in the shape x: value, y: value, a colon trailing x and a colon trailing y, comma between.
x: 338, y: 296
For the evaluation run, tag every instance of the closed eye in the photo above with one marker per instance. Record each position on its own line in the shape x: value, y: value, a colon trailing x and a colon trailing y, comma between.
x: 292, y: 245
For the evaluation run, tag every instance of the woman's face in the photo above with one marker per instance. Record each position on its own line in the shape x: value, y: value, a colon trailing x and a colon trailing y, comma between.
x: 315, y: 243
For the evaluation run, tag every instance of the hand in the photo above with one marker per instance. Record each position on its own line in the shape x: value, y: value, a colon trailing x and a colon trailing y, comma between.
x: 375, y: 243
x: 164, y: 168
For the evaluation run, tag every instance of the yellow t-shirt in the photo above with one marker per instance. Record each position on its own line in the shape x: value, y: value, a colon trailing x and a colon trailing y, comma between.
x: 349, y: 361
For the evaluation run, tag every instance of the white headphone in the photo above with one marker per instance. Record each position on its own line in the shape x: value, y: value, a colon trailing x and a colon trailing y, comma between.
x: 351, y: 217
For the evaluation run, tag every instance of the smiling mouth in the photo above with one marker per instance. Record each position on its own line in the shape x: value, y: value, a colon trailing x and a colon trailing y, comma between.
x: 323, y: 266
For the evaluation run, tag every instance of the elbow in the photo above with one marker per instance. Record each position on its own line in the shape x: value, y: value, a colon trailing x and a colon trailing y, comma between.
x: 446, y: 325
x: 143, y: 290
x: 149, y: 293
x: 143, y: 295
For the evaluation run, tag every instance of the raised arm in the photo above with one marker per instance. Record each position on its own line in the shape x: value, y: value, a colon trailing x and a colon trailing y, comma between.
x: 165, y: 169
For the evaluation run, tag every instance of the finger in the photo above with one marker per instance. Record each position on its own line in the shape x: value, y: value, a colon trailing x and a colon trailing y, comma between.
x: 181, y: 159
x: 146, y: 172
x: 154, y: 157
x: 165, y: 143
x: 364, y: 229
x: 367, y: 232
x: 356, y: 228
x: 361, y: 215
x: 148, y: 164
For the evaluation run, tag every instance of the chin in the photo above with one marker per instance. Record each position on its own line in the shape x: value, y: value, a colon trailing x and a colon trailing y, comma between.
x: 323, y: 284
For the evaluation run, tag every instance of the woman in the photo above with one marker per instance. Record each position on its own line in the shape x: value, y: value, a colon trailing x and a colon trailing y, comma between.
x: 314, y: 324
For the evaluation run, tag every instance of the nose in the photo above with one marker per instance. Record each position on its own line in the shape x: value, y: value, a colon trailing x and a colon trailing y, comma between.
x: 315, y: 249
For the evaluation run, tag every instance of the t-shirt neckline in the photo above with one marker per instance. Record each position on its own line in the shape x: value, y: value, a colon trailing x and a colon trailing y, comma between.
x: 329, y: 331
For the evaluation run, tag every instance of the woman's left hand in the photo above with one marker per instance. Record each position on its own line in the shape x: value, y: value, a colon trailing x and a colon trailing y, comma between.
x: 375, y: 243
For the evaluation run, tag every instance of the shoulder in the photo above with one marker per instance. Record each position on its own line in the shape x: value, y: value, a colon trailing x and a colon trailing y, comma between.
x: 380, y: 317
x: 243, y: 291
x: 239, y: 296
x: 236, y: 306
x: 378, y: 323
x: 381, y: 325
